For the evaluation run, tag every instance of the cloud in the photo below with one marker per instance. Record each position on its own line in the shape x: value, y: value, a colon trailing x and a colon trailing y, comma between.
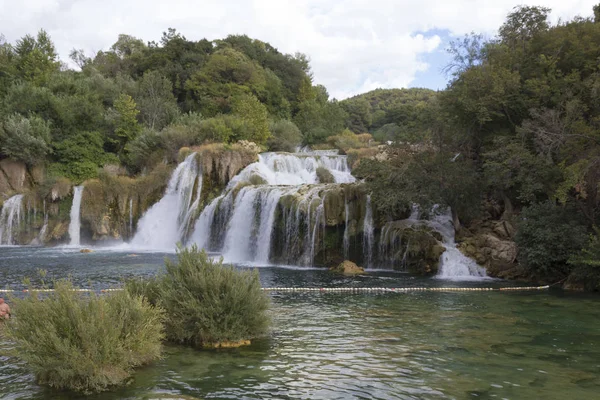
x: 354, y: 45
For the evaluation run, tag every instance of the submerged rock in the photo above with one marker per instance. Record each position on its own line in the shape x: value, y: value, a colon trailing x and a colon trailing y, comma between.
x: 226, y: 344
x: 348, y: 268
x: 86, y: 251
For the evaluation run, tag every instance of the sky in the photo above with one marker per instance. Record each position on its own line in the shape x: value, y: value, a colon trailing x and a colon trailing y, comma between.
x: 354, y: 45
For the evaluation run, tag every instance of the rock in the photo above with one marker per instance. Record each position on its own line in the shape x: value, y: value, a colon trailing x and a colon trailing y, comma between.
x: 226, y: 344
x: 15, y: 173
x: 348, y: 268
x: 86, y: 251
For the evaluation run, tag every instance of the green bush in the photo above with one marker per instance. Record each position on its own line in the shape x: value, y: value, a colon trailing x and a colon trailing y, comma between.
x: 286, y: 136
x: 207, y: 302
x: 85, y: 344
x: 25, y: 139
x: 547, y: 235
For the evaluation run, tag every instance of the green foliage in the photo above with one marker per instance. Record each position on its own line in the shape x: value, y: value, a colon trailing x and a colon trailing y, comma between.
x: 36, y: 58
x: 548, y: 234
x: 207, y: 302
x: 80, y: 156
x: 345, y: 141
x: 25, y: 139
x: 254, y: 117
x: 156, y: 102
x: 406, y: 109
x: 125, y: 122
x: 285, y: 136
x: 85, y: 344
x: 589, y: 256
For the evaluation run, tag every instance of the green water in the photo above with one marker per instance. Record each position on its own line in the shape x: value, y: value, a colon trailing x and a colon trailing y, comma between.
x: 480, y: 345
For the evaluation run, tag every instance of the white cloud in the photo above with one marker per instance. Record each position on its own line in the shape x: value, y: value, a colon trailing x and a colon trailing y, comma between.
x: 354, y: 45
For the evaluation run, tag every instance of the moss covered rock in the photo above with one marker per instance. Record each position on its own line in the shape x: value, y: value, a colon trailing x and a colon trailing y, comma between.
x: 348, y: 268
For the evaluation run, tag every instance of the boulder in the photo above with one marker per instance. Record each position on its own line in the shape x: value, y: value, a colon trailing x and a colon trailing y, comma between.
x: 86, y: 251
x: 348, y: 268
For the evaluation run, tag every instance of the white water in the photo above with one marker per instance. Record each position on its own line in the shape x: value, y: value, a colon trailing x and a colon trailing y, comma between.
x: 10, y: 218
x: 454, y: 265
x: 292, y: 169
x: 75, y: 223
x: 249, y: 220
x: 166, y: 222
x: 346, y: 242
x: 131, y: 216
x: 368, y: 234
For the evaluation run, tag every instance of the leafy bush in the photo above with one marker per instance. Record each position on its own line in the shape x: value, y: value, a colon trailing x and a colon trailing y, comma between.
x: 547, y: 236
x: 85, y: 344
x: 25, y: 139
x: 345, y: 141
x: 286, y: 136
x: 207, y: 302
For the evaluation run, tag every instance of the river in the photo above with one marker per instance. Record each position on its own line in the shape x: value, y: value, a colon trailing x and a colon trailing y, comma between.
x: 421, y: 345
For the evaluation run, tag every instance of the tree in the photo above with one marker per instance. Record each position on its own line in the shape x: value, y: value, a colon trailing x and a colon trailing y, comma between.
x: 523, y: 24
x: 25, y: 139
x: 155, y: 100
x: 285, y: 136
x: 36, y: 58
x: 126, y: 126
x: 255, y: 117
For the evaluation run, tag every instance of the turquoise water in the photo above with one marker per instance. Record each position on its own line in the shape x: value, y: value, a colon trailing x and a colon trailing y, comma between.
x: 426, y: 345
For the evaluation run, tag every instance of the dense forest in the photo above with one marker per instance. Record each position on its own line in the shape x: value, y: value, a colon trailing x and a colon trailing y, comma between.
x: 515, y: 137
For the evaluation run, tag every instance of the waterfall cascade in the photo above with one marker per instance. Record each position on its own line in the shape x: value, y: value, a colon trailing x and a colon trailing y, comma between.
x: 276, y: 211
x: 75, y: 223
x: 453, y: 263
x: 10, y: 218
x: 368, y: 234
x: 241, y: 223
x: 167, y: 222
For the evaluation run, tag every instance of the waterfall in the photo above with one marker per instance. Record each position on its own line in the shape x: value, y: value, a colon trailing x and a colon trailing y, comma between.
x: 241, y: 222
x: 42, y: 234
x: 453, y: 264
x: 346, y: 230
x: 167, y: 222
x: 10, y: 218
x: 368, y: 234
x: 75, y: 224
x: 131, y: 216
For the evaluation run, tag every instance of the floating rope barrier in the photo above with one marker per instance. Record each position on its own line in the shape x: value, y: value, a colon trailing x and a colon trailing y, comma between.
x: 336, y: 289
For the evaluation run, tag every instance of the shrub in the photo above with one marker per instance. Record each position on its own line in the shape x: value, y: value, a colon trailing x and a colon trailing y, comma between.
x: 345, y: 141
x: 207, y: 302
x: 547, y: 235
x: 85, y: 344
x: 286, y: 136
x: 25, y: 139
x: 324, y: 175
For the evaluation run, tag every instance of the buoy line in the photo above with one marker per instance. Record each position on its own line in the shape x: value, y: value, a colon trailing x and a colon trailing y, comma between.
x: 334, y: 289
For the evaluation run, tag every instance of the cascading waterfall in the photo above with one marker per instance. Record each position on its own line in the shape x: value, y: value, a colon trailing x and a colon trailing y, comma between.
x: 346, y: 242
x: 368, y: 234
x: 454, y: 264
x: 167, y: 222
x: 10, y: 218
x: 75, y: 223
x: 131, y: 216
x: 249, y: 214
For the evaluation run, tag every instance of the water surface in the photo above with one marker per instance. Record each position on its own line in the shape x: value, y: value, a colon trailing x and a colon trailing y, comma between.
x: 423, y: 345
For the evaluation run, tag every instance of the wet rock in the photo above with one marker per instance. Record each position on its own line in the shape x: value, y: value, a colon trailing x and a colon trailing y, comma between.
x: 348, y: 268
x: 86, y: 251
